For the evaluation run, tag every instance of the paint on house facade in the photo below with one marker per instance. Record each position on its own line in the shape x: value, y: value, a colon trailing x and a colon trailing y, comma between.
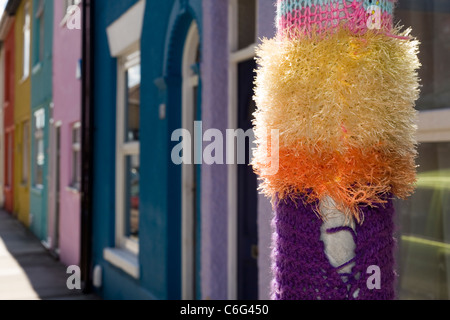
x: 65, y: 136
x: 41, y: 108
x: 182, y: 53
x: 22, y: 111
x: 232, y: 29
x: 137, y: 226
x: 2, y: 139
x: 8, y: 116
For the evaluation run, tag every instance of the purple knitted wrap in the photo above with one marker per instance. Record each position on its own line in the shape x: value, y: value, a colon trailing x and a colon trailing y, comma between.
x: 302, y: 270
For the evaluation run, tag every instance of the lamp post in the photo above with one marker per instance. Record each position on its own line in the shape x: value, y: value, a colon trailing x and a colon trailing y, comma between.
x: 339, y: 82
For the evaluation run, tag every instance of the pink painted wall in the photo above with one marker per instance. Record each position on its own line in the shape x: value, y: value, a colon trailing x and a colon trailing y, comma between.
x: 67, y: 110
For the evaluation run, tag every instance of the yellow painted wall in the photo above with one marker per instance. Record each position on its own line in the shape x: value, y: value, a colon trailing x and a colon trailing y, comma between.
x: 22, y: 113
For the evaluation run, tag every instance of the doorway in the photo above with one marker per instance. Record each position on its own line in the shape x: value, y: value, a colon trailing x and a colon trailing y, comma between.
x: 56, y: 190
x: 247, y: 191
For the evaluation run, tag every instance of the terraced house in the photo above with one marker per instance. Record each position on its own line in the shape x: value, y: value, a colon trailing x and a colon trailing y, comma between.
x: 22, y: 111
x: 91, y: 93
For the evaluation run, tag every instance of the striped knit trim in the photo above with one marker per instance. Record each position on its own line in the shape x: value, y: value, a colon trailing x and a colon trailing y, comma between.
x: 305, y: 16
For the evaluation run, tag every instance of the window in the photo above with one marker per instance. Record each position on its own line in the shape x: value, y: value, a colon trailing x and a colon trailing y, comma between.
x: 25, y: 151
x: 424, y: 239
x: 40, y: 23
x: 246, y: 16
x: 26, y: 41
x: 125, y: 254
x: 76, y: 156
x: 39, y: 149
x: 7, y: 76
x: 128, y: 151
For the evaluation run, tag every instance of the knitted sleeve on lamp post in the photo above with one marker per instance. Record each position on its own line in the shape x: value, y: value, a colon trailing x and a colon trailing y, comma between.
x: 339, y: 82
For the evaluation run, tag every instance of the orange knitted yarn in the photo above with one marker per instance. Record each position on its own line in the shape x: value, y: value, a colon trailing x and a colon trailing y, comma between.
x: 355, y: 177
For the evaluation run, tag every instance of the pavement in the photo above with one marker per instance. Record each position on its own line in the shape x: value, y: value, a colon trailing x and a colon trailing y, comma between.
x: 27, y: 270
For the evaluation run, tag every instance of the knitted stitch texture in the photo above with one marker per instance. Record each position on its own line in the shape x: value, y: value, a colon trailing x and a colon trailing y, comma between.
x: 339, y: 84
x: 343, y: 103
x: 304, y: 16
x: 302, y: 270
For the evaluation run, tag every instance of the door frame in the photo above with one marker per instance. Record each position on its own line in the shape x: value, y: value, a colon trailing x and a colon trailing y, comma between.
x: 189, y: 176
x: 53, y: 220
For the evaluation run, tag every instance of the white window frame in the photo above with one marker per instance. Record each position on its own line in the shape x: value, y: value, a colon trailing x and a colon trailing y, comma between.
x: 26, y: 54
x: 75, y: 181
x: 434, y: 126
x: 26, y: 132
x: 124, y: 34
x: 190, y: 81
x: 236, y: 56
x: 38, y: 134
x: 124, y: 149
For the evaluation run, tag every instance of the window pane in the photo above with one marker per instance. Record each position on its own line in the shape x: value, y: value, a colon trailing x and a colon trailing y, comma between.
x: 246, y: 23
x: 132, y: 197
x: 39, y: 152
x: 132, y: 110
x: 76, y: 156
x: 39, y: 161
x: 41, y: 37
x: 7, y: 75
x: 76, y: 176
x: 430, y: 22
x: 26, y: 42
x: 76, y: 134
x: 425, y: 228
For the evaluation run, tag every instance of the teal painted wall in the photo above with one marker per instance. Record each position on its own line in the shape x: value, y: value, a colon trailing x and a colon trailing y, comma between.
x: 165, y: 27
x: 41, y: 98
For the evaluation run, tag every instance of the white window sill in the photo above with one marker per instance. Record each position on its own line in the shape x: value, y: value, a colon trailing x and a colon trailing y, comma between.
x: 36, y: 68
x: 123, y: 260
x: 37, y: 190
x: 73, y: 190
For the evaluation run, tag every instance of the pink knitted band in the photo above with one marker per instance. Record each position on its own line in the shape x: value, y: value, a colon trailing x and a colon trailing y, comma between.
x: 305, y: 16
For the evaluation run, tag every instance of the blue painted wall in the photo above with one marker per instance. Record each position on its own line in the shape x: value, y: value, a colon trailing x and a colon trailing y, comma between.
x: 165, y: 26
x: 41, y: 98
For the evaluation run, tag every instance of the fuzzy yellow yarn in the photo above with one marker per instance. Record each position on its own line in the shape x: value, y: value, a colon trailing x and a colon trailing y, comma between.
x: 335, y: 94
